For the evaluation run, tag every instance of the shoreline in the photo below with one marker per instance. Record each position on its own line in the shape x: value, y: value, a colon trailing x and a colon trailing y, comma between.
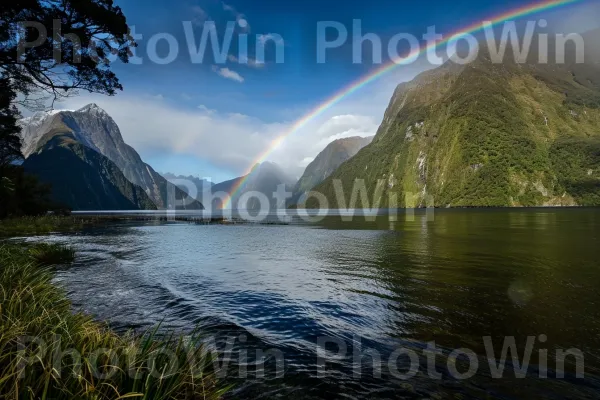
x: 50, y: 351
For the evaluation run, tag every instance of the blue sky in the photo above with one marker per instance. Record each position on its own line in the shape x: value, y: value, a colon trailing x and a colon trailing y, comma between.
x: 213, y: 120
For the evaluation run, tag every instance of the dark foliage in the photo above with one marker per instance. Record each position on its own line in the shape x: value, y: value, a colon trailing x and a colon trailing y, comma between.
x: 22, y: 194
x: 74, y: 57
x: 73, y: 39
x: 10, y: 142
x: 573, y: 160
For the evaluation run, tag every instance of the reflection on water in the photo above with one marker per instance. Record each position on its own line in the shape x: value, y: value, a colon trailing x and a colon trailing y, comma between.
x: 465, y: 275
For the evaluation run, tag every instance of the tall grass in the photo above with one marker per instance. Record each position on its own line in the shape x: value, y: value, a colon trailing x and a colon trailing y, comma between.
x: 49, y: 352
x: 52, y: 254
x: 24, y: 226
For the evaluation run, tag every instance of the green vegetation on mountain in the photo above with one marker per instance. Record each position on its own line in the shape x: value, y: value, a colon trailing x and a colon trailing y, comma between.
x: 83, y: 179
x: 483, y: 135
x: 578, y: 159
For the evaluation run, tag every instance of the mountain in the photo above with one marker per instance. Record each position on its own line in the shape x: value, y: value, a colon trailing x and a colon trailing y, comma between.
x: 93, y: 128
x: 200, y: 184
x: 327, y: 161
x: 484, y: 134
x: 227, y: 186
x: 83, y: 179
x: 265, y: 178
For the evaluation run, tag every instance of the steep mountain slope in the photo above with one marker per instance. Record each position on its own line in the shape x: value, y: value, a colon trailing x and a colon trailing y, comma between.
x: 327, y: 161
x: 83, y: 179
x: 265, y: 178
x: 484, y: 134
x: 227, y: 186
x: 200, y: 184
x: 94, y: 128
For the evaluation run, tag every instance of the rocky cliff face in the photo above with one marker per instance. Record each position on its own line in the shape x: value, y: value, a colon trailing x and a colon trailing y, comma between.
x: 326, y: 162
x: 484, y: 134
x: 83, y: 179
x: 94, y: 128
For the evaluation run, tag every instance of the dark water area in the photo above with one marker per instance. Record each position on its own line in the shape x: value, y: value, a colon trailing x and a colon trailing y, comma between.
x: 360, y: 289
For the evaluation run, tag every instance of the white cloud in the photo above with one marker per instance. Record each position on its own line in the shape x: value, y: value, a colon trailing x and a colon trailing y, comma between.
x: 302, y: 145
x: 247, y: 61
x: 232, y: 142
x: 357, y: 115
x: 270, y: 37
x: 348, y: 125
x: 228, y: 141
x: 307, y: 160
x: 205, y: 109
x: 228, y: 74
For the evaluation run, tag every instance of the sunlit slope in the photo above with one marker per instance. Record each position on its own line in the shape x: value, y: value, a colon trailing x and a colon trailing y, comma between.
x: 484, y: 134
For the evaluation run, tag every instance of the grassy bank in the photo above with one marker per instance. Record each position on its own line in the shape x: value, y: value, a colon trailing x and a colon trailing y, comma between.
x: 26, y: 226
x: 52, y: 254
x: 49, y: 352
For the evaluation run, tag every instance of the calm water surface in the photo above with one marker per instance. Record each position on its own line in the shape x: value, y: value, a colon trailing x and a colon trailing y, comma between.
x: 465, y: 275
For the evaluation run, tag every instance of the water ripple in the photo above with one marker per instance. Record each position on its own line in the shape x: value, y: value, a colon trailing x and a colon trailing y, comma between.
x: 454, y: 281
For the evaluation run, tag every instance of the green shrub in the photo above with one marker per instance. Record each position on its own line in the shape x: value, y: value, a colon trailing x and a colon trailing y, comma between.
x: 52, y: 254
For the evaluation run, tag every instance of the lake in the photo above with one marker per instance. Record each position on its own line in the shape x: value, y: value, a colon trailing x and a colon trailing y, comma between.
x: 346, y: 306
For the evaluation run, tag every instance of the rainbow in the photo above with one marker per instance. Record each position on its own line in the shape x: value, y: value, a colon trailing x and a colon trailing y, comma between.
x: 379, y: 72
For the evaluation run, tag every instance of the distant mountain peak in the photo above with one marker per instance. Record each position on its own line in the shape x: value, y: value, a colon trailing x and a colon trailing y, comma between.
x: 35, y: 118
x: 92, y: 108
x: 95, y: 129
x: 353, y: 138
x: 265, y: 178
x: 38, y: 117
x: 326, y: 162
x: 179, y: 180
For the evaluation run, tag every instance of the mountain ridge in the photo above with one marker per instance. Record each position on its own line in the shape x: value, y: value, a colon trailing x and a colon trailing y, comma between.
x: 94, y: 128
x: 325, y: 163
x: 200, y: 184
x: 93, y: 182
x: 265, y: 178
x: 483, y: 135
